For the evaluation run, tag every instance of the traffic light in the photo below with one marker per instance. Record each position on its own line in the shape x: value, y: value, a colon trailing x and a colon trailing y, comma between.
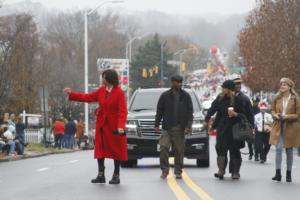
x: 156, y: 69
x: 183, y: 67
x: 144, y: 74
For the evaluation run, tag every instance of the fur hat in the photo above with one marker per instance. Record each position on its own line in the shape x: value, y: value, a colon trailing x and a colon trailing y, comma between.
x: 288, y: 81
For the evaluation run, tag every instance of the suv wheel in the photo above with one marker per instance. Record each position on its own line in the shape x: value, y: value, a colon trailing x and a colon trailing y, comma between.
x: 129, y: 163
x: 203, y: 162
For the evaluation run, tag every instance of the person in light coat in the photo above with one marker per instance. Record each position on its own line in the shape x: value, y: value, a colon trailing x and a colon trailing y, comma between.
x: 286, y: 128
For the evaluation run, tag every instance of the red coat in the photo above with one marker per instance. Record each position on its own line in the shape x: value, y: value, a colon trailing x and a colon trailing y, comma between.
x: 58, y: 128
x: 112, y: 114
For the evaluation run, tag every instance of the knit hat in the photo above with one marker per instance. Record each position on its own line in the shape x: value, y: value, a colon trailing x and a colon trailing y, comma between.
x: 228, y: 84
x: 288, y: 81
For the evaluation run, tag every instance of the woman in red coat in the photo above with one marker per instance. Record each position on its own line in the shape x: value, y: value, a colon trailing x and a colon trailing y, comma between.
x: 110, y: 138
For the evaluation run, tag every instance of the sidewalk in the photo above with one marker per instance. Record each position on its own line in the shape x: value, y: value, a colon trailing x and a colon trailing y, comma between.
x: 36, y: 150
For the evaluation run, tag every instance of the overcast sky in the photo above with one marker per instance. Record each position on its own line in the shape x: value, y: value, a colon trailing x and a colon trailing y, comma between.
x: 169, y: 6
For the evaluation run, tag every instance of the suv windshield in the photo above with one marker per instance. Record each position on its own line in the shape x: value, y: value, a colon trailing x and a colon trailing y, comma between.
x: 147, y: 100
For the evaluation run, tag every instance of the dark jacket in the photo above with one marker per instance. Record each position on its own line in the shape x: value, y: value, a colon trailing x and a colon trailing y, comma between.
x: 247, y: 107
x: 20, y: 132
x: 165, y: 110
x: 70, y: 128
x: 223, y: 123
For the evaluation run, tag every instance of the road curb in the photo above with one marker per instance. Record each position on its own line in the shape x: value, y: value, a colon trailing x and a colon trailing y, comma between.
x: 16, y: 158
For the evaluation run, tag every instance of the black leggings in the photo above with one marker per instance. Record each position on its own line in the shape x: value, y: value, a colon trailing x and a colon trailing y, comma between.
x: 116, y: 163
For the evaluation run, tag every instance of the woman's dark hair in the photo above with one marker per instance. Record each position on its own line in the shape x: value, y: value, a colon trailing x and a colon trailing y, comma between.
x: 111, y: 76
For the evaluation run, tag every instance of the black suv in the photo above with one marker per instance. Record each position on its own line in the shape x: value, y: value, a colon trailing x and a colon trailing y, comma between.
x: 143, y: 140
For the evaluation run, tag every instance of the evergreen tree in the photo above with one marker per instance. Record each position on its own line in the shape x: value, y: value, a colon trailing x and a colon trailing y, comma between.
x: 147, y: 58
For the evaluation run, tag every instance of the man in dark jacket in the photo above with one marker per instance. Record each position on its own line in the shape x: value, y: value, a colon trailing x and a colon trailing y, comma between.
x: 175, y: 108
x: 247, y: 111
x: 70, y: 131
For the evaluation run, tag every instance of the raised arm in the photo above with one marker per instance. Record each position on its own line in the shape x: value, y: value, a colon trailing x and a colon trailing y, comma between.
x: 81, y: 97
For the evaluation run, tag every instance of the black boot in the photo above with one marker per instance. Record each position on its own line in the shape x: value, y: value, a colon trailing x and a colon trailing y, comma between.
x: 115, y: 179
x: 100, y: 177
x: 221, y: 161
x: 288, y: 176
x: 236, y: 169
x: 277, y: 176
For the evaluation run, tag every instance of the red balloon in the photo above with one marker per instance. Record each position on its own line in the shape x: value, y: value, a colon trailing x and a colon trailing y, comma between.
x: 214, y: 50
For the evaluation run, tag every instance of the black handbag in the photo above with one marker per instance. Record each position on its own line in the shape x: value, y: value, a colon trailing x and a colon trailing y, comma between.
x: 242, y: 130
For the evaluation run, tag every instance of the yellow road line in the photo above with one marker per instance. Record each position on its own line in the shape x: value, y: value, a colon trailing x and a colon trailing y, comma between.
x: 198, y: 190
x: 177, y: 190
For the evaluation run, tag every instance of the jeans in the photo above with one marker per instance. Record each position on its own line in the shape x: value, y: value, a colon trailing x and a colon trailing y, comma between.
x: 58, y: 140
x: 12, y: 146
x: 298, y: 151
x: 69, y: 141
x: 278, y: 157
x: 19, y: 147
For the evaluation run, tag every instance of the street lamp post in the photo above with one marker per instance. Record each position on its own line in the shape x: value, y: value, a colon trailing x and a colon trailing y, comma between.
x: 86, y: 82
x: 162, y: 63
x: 182, y: 52
x: 128, y: 57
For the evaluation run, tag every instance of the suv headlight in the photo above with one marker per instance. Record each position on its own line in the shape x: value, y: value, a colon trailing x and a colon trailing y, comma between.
x: 131, y: 127
x: 197, y: 127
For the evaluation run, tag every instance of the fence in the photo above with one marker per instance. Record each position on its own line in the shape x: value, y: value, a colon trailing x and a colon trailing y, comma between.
x: 33, y: 136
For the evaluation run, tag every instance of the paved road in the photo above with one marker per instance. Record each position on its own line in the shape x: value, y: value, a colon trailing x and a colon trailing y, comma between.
x: 67, y: 177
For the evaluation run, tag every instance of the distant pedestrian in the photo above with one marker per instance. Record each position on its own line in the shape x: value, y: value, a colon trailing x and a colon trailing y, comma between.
x: 175, y: 109
x: 263, y: 122
x: 110, y: 138
x: 70, y: 130
x: 286, y: 128
x: 58, y: 131
x: 79, y: 132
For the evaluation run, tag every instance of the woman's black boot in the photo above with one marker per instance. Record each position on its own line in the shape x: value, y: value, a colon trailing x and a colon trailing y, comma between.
x: 115, y: 179
x: 288, y: 176
x: 100, y: 177
x: 277, y: 176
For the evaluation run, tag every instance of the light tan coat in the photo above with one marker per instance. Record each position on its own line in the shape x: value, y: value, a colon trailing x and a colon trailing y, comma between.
x: 291, y: 130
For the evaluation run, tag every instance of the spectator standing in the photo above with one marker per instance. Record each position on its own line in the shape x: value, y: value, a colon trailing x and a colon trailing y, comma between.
x: 58, y: 131
x: 79, y: 132
x: 70, y: 131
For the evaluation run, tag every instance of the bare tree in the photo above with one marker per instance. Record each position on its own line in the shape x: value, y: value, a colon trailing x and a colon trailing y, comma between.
x: 270, y: 44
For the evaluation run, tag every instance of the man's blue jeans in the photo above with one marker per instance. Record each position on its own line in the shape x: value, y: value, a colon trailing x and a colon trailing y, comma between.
x: 12, y: 146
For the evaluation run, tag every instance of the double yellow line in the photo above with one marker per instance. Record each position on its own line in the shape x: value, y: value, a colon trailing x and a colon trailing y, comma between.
x: 179, y: 192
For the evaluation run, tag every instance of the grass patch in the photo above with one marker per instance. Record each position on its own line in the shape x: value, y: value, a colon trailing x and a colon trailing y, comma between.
x: 40, y: 148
